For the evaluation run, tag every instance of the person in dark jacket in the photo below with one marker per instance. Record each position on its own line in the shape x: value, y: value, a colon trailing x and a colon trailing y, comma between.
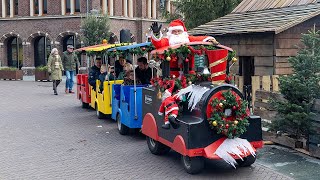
x: 70, y: 62
x: 94, y: 73
x: 119, y: 65
x: 143, y: 71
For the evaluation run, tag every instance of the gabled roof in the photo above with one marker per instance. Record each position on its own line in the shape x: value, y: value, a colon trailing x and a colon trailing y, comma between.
x: 256, y: 5
x: 269, y: 20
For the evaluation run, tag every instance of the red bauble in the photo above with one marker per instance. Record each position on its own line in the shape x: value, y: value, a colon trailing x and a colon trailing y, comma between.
x: 234, y: 107
x: 143, y: 48
x: 187, y: 60
x: 227, y: 126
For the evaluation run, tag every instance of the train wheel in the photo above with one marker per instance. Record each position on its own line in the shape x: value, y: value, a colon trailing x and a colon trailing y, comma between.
x: 192, y: 165
x: 100, y: 115
x: 84, y: 105
x: 247, y: 161
x: 123, y: 130
x: 156, y: 147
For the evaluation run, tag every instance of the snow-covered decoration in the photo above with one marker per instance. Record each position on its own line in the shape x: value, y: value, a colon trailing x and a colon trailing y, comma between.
x: 195, y: 94
x: 237, y: 146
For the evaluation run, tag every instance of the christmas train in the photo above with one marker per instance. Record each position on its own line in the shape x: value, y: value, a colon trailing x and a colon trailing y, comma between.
x: 207, y: 117
x: 188, y: 108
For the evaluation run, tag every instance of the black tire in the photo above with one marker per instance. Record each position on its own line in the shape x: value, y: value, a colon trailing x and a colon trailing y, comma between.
x: 192, y: 165
x: 85, y: 105
x: 247, y: 161
x: 123, y: 130
x: 156, y: 147
x: 100, y: 115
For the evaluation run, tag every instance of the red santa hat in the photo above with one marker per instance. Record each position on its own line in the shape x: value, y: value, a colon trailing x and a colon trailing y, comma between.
x: 177, y: 25
x: 171, y: 87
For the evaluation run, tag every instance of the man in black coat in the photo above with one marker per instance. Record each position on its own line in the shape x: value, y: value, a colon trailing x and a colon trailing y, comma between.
x: 143, y: 71
x: 94, y: 73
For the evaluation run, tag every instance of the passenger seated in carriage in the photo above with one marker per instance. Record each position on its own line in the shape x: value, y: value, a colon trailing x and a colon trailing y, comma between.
x: 143, y: 71
x: 94, y: 72
x: 127, y: 67
x: 106, y: 75
x: 119, y: 65
x: 129, y: 78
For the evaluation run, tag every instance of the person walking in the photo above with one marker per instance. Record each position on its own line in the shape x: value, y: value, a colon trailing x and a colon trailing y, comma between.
x: 55, y: 69
x: 70, y: 62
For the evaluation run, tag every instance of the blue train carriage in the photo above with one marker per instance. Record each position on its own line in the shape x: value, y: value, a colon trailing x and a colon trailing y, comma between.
x: 211, y: 118
x: 127, y: 99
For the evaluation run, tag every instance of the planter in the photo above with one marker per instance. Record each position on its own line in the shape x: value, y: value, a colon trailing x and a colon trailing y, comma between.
x: 41, y: 75
x: 11, y: 74
x: 285, y: 140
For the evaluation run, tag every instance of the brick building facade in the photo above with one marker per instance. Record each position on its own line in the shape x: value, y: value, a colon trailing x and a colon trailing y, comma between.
x: 29, y: 29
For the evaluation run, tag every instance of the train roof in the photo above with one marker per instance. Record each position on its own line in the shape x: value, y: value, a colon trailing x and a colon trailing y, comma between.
x: 124, y: 48
x: 101, y: 47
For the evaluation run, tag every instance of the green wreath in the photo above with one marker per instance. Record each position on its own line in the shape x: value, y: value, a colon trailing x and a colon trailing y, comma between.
x: 229, y: 115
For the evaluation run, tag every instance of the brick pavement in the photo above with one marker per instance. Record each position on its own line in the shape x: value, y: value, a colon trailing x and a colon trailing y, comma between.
x: 43, y: 136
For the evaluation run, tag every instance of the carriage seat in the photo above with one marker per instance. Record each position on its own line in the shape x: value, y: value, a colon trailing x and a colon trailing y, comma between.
x: 189, y: 119
x: 126, y: 91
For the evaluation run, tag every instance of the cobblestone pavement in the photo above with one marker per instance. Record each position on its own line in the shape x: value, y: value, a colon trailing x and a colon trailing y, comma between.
x: 43, y: 136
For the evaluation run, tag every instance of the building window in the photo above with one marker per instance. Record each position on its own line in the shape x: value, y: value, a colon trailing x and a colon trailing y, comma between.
x: 42, y: 48
x: 8, y: 7
x: 77, y: 6
x: 104, y: 4
x: 40, y: 7
x: 125, y: 8
x: 14, y: 52
x: 16, y: 7
x: 36, y: 6
x: 68, y: 6
x: 45, y: 7
x: 151, y: 9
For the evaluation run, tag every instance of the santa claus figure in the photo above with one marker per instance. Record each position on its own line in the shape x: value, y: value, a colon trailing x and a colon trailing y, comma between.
x: 177, y: 34
x: 169, y: 106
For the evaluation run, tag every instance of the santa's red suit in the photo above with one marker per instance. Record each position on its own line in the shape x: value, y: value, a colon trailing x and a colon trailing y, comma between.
x: 169, y: 104
x: 173, y: 39
x: 176, y: 25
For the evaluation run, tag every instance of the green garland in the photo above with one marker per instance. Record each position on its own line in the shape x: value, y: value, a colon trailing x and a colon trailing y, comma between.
x: 140, y: 51
x: 184, y: 51
x: 234, y: 125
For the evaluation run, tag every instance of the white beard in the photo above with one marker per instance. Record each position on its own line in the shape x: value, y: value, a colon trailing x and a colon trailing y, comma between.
x: 178, y: 39
x: 165, y: 95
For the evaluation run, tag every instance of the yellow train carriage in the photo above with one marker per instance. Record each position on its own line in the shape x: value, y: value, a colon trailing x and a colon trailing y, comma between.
x: 103, y: 102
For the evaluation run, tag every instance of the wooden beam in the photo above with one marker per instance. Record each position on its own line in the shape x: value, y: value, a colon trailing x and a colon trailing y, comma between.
x: 281, y: 59
x: 255, y: 50
x: 263, y: 61
x: 282, y: 71
x: 287, y: 43
x: 282, y: 65
x: 262, y: 71
x: 286, y: 52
